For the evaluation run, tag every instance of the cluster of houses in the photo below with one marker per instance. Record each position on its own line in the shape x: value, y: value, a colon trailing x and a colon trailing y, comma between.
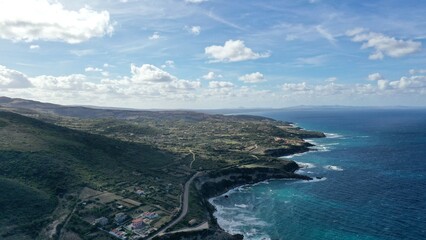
x: 139, y: 227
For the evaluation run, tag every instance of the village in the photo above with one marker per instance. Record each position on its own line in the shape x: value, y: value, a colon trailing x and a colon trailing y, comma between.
x: 124, y: 217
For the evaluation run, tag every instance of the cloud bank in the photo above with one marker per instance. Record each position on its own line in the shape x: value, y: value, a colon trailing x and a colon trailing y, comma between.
x: 31, y: 20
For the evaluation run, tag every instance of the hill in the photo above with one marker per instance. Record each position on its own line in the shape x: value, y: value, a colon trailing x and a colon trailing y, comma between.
x: 39, y: 161
x: 90, y: 163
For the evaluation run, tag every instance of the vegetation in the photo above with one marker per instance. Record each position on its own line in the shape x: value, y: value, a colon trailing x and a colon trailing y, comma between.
x: 23, y: 209
x: 80, y: 164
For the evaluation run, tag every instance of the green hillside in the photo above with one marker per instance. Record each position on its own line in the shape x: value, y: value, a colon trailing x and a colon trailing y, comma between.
x: 40, y: 161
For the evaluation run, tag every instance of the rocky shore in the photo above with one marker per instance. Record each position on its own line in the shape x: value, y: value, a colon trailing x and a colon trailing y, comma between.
x: 215, y: 183
x: 218, y: 182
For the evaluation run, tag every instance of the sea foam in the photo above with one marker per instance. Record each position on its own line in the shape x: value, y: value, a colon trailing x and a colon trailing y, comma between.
x: 304, y: 165
x: 333, y: 168
x: 333, y: 135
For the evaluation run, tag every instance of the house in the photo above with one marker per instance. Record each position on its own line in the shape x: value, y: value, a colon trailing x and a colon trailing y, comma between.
x: 102, y: 221
x: 140, y: 192
x: 138, y: 223
x: 120, y: 218
x: 192, y: 222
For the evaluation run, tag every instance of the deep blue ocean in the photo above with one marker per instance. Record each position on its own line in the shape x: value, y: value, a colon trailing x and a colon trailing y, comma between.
x: 373, y: 165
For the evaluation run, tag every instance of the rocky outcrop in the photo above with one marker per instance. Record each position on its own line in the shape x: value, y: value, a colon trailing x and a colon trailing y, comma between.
x: 219, y: 182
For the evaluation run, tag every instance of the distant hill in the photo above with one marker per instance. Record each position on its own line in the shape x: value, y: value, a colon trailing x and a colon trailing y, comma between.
x: 86, y: 112
x: 39, y: 161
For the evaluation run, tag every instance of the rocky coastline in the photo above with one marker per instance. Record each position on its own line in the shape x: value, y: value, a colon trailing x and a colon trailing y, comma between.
x: 216, y: 183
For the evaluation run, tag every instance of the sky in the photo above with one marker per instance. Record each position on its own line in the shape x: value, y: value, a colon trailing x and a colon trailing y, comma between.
x: 201, y: 54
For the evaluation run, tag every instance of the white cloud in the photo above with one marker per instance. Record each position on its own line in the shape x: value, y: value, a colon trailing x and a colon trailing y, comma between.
x: 34, y: 46
x: 211, y: 76
x: 154, y: 36
x: 375, y: 77
x: 412, y: 83
x: 168, y: 63
x: 10, y: 78
x: 195, y: 1
x: 233, y: 51
x: 220, y: 84
x: 194, y: 30
x: 256, y: 77
x: 383, y: 45
x: 150, y: 73
x: 93, y: 69
x: 98, y: 70
x: 295, y: 87
x: 30, y: 20
x: 382, y: 84
x: 70, y: 82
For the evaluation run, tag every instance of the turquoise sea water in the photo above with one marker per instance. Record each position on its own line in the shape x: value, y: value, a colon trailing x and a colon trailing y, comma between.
x: 374, y: 186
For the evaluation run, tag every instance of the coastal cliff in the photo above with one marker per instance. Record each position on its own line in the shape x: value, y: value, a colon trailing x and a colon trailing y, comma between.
x: 216, y: 183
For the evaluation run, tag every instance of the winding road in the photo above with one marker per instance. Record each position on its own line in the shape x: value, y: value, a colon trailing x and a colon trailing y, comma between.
x: 184, y: 207
x: 193, y: 158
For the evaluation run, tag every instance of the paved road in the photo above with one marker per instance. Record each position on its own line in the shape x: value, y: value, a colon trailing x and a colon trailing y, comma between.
x: 184, y: 207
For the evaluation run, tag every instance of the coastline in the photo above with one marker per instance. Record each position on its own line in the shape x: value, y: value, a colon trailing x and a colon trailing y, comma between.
x: 217, y: 183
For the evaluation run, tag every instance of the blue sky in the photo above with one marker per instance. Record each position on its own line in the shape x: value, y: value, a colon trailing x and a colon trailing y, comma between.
x: 214, y: 53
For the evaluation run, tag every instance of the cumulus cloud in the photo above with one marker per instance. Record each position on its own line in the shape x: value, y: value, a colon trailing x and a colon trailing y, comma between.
x: 71, y: 82
x: 375, y: 77
x: 233, y: 51
x: 211, y: 76
x: 410, y: 84
x: 256, y: 77
x: 194, y: 30
x: 30, y: 20
x: 150, y: 73
x: 10, y: 78
x: 382, y: 44
x: 154, y: 36
x: 220, y: 84
x: 295, y: 87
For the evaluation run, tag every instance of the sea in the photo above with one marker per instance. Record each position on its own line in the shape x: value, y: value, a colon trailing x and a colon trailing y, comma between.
x: 372, y: 169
